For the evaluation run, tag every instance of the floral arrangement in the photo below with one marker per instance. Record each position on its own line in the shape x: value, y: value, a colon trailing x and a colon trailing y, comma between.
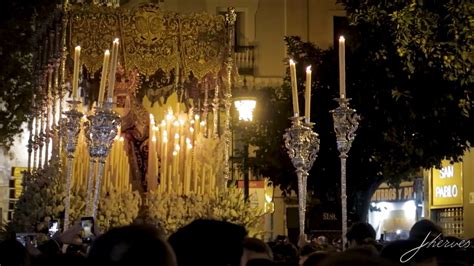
x: 45, y: 194
x: 171, y: 211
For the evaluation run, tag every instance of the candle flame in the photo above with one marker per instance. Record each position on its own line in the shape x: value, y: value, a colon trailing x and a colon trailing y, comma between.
x: 165, y: 139
x: 308, y: 69
x: 78, y: 48
x: 153, y: 139
x: 177, y: 147
x: 176, y: 136
x: 121, y: 139
x: 191, y: 129
x: 181, y: 122
x: 188, y: 141
x: 116, y: 40
x: 155, y: 128
x: 196, y: 117
x: 175, y: 153
x: 190, y: 146
x: 176, y: 124
x: 342, y: 39
x: 107, y: 52
x: 292, y: 62
x: 203, y: 123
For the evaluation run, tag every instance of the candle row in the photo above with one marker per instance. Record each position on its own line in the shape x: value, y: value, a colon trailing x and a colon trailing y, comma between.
x: 294, y: 85
x: 172, y: 157
x: 116, y: 170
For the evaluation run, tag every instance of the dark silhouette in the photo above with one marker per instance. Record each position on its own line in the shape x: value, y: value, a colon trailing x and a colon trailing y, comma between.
x: 208, y: 242
x: 13, y: 253
x: 131, y: 246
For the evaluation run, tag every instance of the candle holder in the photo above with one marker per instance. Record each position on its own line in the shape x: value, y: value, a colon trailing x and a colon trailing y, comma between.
x: 346, y: 122
x: 101, y: 130
x: 303, y: 147
x: 70, y: 131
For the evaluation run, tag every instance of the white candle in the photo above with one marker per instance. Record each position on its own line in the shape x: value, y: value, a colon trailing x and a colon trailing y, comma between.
x: 294, y: 88
x: 113, y: 68
x: 342, y: 67
x: 308, y: 94
x: 103, y: 79
x: 75, y: 75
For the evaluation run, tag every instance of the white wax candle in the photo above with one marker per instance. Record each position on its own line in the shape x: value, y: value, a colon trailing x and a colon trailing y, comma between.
x: 294, y: 88
x: 113, y: 68
x: 103, y: 79
x: 75, y: 75
x: 308, y: 94
x: 342, y: 67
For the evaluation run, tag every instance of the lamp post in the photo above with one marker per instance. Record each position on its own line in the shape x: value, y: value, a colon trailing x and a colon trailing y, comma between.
x: 245, y: 107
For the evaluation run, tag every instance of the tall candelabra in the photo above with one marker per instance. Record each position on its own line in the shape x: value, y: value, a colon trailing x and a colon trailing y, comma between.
x: 346, y: 122
x: 303, y: 147
x: 101, y: 130
x: 70, y: 130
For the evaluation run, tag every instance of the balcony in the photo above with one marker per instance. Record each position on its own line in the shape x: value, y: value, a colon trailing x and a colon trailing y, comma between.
x: 245, y: 59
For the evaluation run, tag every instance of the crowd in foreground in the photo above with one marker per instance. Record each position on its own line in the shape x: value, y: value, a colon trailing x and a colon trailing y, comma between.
x: 217, y: 243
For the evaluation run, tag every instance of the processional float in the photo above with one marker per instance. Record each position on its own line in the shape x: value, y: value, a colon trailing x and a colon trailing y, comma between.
x: 133, y: 138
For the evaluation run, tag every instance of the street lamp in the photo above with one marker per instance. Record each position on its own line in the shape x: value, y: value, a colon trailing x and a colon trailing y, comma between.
x: 245, y: 106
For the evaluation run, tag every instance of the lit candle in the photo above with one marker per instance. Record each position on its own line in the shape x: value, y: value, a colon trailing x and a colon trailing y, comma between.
x: 307, y: 97
x: 75, y: 75
x: 294, y: 88
x: 103, y: 79
x: 113, y: 68
x: 342, y: 67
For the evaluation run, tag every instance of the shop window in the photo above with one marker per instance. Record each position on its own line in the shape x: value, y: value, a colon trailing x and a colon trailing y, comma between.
x: 451, y: 220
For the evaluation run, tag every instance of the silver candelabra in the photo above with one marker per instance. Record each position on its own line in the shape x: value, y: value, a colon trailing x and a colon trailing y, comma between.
x: 101, y: 130
x: 70, y: 130
x: 346, y: 122
x: 303, y: 147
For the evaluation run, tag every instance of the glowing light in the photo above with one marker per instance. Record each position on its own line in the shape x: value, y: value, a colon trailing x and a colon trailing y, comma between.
x: 175, y: 153
x: 245, y: 108
x: 191, y: 129
x: 177, y: 147
x: 203, y: 123
x: 153, y: 139
x: 176, y: 136
x: 196, y: 117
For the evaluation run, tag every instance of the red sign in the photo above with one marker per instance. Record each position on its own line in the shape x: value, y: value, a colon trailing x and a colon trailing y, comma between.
x: 252, y: 184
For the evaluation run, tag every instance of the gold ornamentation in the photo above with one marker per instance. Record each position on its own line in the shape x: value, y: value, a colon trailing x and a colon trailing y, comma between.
x: 93, y: 28
x: 150, y: 38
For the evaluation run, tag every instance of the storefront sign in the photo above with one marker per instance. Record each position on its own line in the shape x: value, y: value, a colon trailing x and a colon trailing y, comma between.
x: 446, y: 185
x: 393, y: 194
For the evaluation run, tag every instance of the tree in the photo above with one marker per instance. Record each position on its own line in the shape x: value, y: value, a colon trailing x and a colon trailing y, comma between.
x: 409, y: 74
x: 16, y: 73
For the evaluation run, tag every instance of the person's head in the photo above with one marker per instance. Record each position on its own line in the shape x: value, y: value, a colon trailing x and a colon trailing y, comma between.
x: 315, y: 258
x: 208, y: 242
x: 131, y: 245
x: 13, y: 253
x: 425, y: 228
x: 352, y: 258
x: 360, y: 234
x: 255, y: 248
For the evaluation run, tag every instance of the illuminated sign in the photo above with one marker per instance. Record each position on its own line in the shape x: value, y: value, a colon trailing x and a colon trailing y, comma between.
x: 385, y: 193
x: 446, y: 185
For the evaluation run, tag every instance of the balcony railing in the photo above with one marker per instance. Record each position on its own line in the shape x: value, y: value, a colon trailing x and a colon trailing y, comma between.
x: 245, y: 59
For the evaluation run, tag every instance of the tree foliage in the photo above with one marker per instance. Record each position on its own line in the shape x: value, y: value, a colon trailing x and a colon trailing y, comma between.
x: 409, y: 74
x: 16, y: 72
